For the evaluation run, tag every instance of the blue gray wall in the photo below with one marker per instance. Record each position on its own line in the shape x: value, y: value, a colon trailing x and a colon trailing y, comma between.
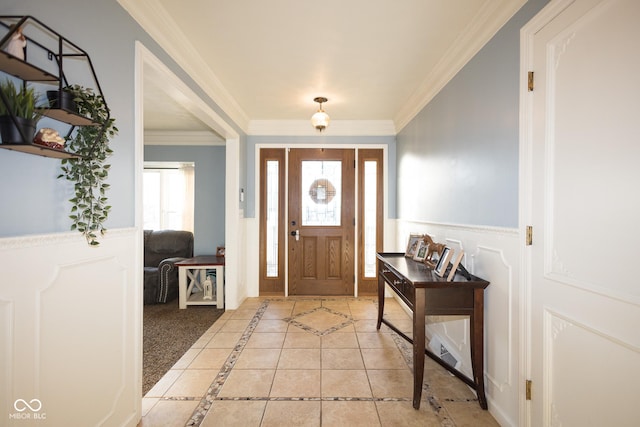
x: 32, y: 200
x: 319, y: 142
x: 209, y: 189
x: 461, y: 151
x: 458, y: 158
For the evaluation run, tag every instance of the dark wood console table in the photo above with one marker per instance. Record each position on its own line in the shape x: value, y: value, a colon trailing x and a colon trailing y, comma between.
x: 428, y: 294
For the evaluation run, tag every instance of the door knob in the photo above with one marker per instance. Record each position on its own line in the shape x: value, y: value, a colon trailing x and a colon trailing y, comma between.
x: 296, y: 234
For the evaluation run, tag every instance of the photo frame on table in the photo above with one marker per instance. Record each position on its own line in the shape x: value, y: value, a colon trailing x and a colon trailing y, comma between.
x: 220, y: 251
x: 421, y: 252
x: 433, y: 254
x: 455, y: 262
x: 412, y: 245
x: 443, y: 262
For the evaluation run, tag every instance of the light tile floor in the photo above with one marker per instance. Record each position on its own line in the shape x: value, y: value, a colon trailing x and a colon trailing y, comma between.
x: 307, y: 362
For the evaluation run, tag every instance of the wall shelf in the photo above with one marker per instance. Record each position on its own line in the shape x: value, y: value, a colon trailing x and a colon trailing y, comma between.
x: 67, y: 116
x: 40, y: 150
x: 23, y: 70
x: 51, y: 49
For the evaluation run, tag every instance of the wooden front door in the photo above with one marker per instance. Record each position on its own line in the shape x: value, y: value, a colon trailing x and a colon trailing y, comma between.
x: 321, y: 221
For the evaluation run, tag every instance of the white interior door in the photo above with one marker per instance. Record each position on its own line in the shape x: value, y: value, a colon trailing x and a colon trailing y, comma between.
x: 584, y: 208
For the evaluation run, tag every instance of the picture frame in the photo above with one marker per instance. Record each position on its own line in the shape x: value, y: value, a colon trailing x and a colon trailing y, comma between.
x: 421, y: 252
x: 412, y: 245
x: 455, y: 262
x: 433, y: 254
x: 220, y: 251
x: 443, y: 262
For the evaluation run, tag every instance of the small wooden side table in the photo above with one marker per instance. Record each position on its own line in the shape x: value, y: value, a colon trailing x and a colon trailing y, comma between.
x: 192, y: 273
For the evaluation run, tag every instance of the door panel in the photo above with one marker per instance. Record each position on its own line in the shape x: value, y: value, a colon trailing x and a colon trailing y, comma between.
x: 585, y: 306
x: 321, y: 222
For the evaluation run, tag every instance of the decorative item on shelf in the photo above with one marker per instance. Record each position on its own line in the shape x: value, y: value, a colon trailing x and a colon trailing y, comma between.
x: 207, y: 288
x: 434, y: 252
x: 89, y: 208
x: 16, y: 44
x: 463, y: 271
x: 62, y: 99
x: 455, y: 262
x: 18, y: 113
x: 49, y: 138
x: 421, y: 253
x: 443, y: 262
x: 220, y: 251
x: 413, y: 244
x: 320, y: 120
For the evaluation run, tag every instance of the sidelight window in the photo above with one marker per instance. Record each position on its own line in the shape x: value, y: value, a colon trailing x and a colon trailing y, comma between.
x: 272, y: 219
x: 370, y: 216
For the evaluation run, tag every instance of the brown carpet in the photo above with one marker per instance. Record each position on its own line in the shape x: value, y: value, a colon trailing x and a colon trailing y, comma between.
x: 168, y: 333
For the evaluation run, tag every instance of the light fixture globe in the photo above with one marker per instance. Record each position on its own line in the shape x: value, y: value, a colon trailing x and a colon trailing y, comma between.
x: 320, y: 120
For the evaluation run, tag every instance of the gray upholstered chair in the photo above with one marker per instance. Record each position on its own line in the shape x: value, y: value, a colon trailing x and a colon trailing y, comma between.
x: 162, y: 249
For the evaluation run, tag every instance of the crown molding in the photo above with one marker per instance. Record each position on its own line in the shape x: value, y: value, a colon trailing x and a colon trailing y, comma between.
x: 491, y: 17
x: 336, y: 128
x: 181, y: 137
x: 163, y: 29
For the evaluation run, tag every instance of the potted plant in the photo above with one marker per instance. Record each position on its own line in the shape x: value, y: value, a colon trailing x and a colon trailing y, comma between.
x: 89, y: 172
x: 18, y: 113
x: 62, y: 99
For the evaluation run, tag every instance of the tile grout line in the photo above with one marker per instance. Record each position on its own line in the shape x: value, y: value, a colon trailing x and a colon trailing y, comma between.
x: 292, y: 321
x: 439, y: 410
x: 212, y: 392
x: 314, y: 399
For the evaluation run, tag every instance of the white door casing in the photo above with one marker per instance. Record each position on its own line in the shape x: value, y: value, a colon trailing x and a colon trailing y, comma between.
x: 580, y: 153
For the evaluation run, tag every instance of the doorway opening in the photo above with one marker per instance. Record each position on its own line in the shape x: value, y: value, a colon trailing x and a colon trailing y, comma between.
x: 149, y: 67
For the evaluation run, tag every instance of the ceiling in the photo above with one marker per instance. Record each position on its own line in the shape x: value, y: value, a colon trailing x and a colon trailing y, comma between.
x: 378, y: 62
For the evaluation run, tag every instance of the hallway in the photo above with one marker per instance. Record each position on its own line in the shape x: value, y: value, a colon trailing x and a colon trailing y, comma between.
x: 307, y: 362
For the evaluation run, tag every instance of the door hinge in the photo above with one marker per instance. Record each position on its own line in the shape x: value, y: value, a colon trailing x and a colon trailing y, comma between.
x: 527, y: 389
x: 530, y: 82
x: 529, y: 235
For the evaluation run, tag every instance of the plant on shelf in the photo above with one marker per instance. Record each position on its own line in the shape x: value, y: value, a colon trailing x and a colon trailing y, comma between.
x: 62, y: 99
x: 18, y: 113
x: 89, y: 172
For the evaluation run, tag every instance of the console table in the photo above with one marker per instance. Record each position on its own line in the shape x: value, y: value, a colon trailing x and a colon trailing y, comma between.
x: 191, y: 274
x: 428, y: 294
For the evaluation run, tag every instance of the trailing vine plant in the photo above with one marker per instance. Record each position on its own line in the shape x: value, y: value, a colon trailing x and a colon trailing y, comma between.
x: 89, y: 208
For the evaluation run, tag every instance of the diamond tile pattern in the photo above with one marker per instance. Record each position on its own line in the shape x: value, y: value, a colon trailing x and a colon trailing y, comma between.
x: 307, y: 361
x: 320, y: 321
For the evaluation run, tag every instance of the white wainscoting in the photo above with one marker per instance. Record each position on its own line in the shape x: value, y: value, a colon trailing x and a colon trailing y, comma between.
x: 251, y: 262
x: 492, y: 254
x: 70, y: 331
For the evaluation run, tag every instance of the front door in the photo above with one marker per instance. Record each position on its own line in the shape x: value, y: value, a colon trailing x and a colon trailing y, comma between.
x: 584, y: 206
x: 321, y: 221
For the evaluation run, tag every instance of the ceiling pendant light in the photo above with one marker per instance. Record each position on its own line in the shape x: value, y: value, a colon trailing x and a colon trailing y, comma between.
x: 320, y: 120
